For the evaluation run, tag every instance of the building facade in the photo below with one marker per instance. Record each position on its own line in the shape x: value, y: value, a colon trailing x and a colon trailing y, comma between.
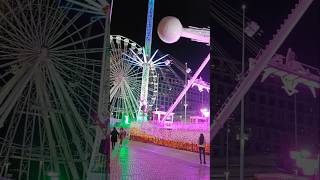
x: 275, y: 122
x: 170, y: 86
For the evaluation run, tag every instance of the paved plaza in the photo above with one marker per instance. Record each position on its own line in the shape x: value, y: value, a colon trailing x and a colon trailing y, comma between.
x: 141, y: 161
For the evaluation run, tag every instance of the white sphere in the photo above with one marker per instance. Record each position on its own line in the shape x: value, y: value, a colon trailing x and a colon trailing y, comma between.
x: 170, y: 29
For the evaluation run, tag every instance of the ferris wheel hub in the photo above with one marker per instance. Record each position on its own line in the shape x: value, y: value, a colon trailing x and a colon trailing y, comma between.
x: 44, y: 54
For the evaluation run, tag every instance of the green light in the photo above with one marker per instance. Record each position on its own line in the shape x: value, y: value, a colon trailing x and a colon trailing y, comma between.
x: 126, y: 119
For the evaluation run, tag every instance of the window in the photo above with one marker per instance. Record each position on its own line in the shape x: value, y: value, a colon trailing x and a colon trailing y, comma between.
x: 252, y: 97
x: 290, y: 105
x: 281, y: 103
x: 271, y: 101
x: 262, y: 99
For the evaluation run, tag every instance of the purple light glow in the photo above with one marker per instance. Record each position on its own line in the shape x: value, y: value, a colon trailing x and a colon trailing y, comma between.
x: 205, y: 112
x: 201, y: 85
x: 180, y: 131
x: 305, y: 162
x: 173, y: 106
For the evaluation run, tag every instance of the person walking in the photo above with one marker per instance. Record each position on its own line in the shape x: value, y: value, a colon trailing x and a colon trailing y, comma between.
x: 114, y: 137
x: 122, y: 135
x: 201, y: 144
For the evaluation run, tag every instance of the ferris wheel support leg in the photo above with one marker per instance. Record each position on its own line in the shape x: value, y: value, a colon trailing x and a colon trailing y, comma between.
x: 103, y: 104
x: 184, y: 91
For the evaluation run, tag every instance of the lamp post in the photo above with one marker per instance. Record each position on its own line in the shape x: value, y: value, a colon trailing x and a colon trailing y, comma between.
x: 157, y: 101
x: 185, y: 96
x: 295, y: 128
x: 242, y: 135
x: 227, y: 172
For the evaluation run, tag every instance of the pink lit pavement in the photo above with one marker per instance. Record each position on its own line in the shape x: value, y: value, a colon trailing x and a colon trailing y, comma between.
x: 141, y: 161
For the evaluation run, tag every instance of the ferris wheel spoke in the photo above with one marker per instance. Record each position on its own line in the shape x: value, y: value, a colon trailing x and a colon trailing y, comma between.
x: 13, y: 42
x: 135, y: 86
x: 114, y: 89
x: 47, y: 27
x: 19, y: 25
x: 57, y: 23
x: 90, y: 101
x: 40, y: 21
x: 64, y: 29
x: 9, y: 57
x: 4, y: 29
x: 85, y: 88
x: 87, y: 61
x: 132, y: 101
x: 80, y: 41
x: 4, y: 75
x: 8, y: 143
x: 39, y: 82
x: 136, y: 57
x: 11, y: 63
x: 86, y: 66
x: 134, y: 71
x: 95, y: 4
x: 18, y: 85
x: 133, y: 106
x: 62, y: 67
x: 27, y: 140
x: 33, y: 25
x: 9, y: 49
x: 134, y: 60
x: 152, y: 57
x: 78, y: 51
x: 115, y: 68
x: 132, y: 98
x: 28, y: 26
x: 12, y: 98
x: 84, y: 69
x: 92, y: 8
x: 61, y: 133
x: 156, y: 62
x: 80, y: 99
x: 5, y: 90
x: 129, y: 90
x: 78, y: 120
x: 125, y: 103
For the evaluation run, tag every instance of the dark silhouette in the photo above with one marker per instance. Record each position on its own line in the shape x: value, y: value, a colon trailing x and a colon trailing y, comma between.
x: 114, y: 137
x: 122, y: 135
x: 202, y: 146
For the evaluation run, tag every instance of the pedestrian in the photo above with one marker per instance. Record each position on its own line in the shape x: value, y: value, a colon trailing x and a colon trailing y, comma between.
x: 114, y: 137
x: 122, y: 135
x: 201, y: 144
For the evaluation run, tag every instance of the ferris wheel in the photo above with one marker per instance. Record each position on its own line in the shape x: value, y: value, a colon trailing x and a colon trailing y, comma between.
x: 126, y: 78
x: 49, y: 85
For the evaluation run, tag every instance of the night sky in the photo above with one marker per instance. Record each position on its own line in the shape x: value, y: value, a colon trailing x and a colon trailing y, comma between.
x: 129, y: 20
x: 269, y: 14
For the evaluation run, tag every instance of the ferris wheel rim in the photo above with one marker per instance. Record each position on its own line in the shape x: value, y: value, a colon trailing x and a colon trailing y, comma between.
x: 75, y: 45
x: 136, y: 47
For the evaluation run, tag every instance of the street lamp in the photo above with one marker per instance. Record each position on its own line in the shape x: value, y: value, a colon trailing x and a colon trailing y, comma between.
x: 227, y: 172
x: 188, y: 70
x: 242, y: 135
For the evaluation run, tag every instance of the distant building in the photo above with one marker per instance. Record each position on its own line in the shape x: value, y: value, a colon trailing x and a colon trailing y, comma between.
x: 170, y: 86
x: 269, y: 119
